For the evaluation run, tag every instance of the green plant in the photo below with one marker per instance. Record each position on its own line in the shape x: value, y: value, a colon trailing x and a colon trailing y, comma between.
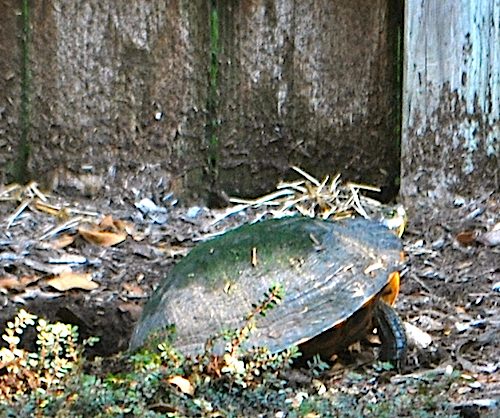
x: 246, y: 366
x: 51, y: 381
x: 238, y: 364
x: 317, y: 366
x: 158, y: 381
x: 41, y: 373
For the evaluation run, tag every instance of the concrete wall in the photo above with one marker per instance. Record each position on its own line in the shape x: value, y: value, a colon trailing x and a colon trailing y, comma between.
x: 204, y: 96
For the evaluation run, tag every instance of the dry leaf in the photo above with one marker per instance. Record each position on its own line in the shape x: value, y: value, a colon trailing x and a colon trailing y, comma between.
x: 137, y: 236
x: 466, y: 237
x: 124, y: 226
x: 63, y: 241
x: 27, y: 280
x: 132, y: 309
x: 15, y: 283
x: 72, y: 280
x: 134, y: 290
x: 109, y: 224
x: 9, y: 283
x: 182, y: 383
x: 102, y: 238
x: 129, y: 228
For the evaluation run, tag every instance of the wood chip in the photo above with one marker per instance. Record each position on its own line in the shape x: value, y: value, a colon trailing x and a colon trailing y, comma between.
x: 416, y: 337
x: 491, y: 238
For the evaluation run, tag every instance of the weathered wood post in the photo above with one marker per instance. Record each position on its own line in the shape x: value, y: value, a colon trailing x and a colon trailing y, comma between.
x: 451, y: 98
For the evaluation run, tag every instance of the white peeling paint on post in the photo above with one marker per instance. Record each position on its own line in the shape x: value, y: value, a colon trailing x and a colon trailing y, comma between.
x: 451, y: 94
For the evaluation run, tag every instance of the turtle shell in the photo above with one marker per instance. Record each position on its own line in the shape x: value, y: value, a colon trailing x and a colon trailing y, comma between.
x: 329, y: 271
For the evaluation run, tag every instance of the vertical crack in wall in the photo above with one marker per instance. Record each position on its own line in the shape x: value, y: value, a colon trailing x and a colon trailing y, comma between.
x: 20, y: 166
x: 397, y: 21
x: 212, y: 97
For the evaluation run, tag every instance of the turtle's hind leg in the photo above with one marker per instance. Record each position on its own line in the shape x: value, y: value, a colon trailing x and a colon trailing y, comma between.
x: 392, y: 334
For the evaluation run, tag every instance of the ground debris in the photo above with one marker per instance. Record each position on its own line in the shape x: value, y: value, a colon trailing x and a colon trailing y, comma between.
x: 449, y: 289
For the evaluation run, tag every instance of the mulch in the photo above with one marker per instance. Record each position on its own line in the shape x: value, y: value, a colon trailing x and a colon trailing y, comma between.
x: 450, y: 290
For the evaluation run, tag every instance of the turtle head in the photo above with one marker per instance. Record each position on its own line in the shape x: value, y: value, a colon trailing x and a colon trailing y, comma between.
x: 395, y: 219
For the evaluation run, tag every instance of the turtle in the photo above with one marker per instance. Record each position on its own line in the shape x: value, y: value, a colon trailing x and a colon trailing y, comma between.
x: 340, y: 279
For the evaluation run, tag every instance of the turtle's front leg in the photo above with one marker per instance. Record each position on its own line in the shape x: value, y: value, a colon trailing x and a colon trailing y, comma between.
x: 392, y: 334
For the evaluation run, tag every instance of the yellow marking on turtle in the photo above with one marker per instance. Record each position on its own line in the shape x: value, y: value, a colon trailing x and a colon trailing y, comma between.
x: 391, y: 289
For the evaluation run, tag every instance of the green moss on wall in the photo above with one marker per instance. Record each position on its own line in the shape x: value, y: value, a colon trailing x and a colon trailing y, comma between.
x: 20, y: 165
x: 213, y: 142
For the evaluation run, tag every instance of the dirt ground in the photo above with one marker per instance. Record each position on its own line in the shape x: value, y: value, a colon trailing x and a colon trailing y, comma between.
x: 450, y: 288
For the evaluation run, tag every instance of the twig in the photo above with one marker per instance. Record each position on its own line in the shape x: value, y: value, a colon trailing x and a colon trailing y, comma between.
x: 33, y: 187
x: 262, y: 200
x: 8, y: 190
x: 306, y: 175
x: 66, y: 225
x: 17, y: 212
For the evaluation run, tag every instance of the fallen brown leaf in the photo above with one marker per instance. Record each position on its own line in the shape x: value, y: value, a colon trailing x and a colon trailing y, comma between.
x: 63, y: 241
x: 115, y: 225
x: 72, y: 280
x: 131, y: 308
x: 102, y: 238
x: 27, y: 280
x: 466, y: 237
x: 17, y: 283
x: 137, y: 236
x: 182, y: 383
x: 130, y: 229
x: 124, y: 226
x: 107, y: 223
x: 134, y: 290
x: 11, y: 283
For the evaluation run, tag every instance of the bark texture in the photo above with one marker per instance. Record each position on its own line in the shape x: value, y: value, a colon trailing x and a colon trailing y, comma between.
x: 451, y: 98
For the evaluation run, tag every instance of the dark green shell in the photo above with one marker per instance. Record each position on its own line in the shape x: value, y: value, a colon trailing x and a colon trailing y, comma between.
x: 325, y: 268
